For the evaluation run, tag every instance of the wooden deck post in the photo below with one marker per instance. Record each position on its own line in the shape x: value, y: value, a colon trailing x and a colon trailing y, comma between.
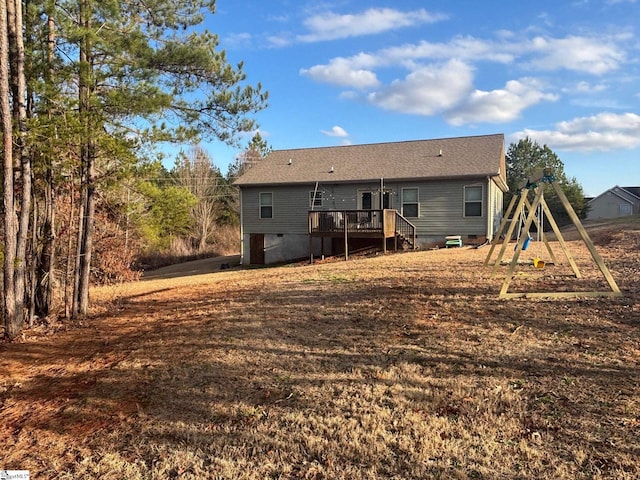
x: 346, y: 237
x: 384, y: 231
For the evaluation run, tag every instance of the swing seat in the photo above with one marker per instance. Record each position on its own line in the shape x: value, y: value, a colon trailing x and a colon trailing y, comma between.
x: 538, y: 263
x: 525, y: 245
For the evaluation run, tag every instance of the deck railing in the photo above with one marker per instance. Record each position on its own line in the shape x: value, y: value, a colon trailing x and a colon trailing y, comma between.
x: 406, y: 229
x: 355, y: 221
x: 384, y: 223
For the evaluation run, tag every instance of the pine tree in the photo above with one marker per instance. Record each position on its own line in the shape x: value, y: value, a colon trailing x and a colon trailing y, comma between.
x: 105, y: 83
x: 143, y: 69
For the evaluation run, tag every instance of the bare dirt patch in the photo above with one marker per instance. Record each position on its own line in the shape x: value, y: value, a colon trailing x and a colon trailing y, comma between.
x: 398, y: 366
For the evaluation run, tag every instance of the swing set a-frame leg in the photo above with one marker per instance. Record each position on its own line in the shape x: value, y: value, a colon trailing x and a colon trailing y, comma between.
x: 540, y: 228
x: 540, y: 202
x: 561, y: 241
x: 503, y: 224
x: 512, y: 226
x: 585, y: 238
x: 527, y: 225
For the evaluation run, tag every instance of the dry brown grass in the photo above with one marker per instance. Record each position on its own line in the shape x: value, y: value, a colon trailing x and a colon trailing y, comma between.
x: 402, y: 366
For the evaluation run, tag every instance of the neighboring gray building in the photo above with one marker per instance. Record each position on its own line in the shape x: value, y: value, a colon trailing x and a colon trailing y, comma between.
x: 319, y: 201
x: 615, y: 202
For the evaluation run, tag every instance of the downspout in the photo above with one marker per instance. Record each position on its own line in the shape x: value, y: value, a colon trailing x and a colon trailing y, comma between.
x: 242, y: 249
x: 313, y: 199
x: 384, y: 238
x: 313, y: 204
x: 491, y: 210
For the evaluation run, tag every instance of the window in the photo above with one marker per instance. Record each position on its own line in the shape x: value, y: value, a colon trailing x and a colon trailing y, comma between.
x: 410, y: 202
x: 315, y: 200
x: 266, y: 205
x: 473, y: 201
x: 625, y: 209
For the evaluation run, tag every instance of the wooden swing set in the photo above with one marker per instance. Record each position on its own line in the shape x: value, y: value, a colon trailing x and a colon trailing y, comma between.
x: 525, y: 215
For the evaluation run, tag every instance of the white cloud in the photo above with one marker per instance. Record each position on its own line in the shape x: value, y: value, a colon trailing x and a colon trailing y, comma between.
x: 460, y: 48
x: 604, y: 132
x: 238, y: 40
x: 279, y: 41
x: 629, y: 122
x: 343, y: 72
x: 429, y: 90
x: 336, y: 131
x: 501, y: 105
x: 331, y: 26
x: 595, y: 55
x: 446, y: 87
x: 585, y: 87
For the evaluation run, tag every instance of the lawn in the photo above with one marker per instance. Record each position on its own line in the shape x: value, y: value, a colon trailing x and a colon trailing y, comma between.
x: 398, y: 366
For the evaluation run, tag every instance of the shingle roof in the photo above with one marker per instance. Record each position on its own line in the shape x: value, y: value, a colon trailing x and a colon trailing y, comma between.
x: 477, y: 156
x: 633, y: 190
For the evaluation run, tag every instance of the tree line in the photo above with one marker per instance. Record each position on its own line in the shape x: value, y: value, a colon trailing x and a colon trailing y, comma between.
x: 89, y: 92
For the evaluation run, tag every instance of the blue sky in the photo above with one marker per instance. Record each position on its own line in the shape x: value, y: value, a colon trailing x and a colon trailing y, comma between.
x: 565, y: 73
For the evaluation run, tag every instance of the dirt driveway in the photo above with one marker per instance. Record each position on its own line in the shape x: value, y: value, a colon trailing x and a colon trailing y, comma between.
x: 195, y: 267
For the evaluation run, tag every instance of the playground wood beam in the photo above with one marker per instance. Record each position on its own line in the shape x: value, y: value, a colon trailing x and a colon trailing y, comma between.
x: 512, y: 226
x: 539, y: 201
x: 587, y: 240
x: 527, y: 225
x: 563, y: 244
x: 503, y: 224
x: 507, y: 239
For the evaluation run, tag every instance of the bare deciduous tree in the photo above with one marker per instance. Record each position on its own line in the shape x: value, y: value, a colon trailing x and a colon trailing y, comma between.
x: 198, y: 173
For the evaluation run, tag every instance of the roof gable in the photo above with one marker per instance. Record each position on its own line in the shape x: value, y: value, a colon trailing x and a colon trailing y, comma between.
x: 477, y: 156
x: 628, y: 194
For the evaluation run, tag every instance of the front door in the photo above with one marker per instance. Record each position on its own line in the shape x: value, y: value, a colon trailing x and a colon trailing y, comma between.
x: 256, y: 249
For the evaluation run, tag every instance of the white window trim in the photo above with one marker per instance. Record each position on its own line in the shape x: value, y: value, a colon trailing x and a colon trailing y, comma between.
x: 260, y: 205
x: 319, y: 196
x: 464, y: 201
x: 625, y: 209
x: 402, y: 202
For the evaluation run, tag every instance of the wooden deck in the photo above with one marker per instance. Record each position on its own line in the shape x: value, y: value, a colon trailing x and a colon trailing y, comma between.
x: 382, y: 224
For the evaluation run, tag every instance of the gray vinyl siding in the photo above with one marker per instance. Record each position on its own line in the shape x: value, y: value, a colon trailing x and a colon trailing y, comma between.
x: 290, y: 207
x: 442, y: 209
x: 441, y: 206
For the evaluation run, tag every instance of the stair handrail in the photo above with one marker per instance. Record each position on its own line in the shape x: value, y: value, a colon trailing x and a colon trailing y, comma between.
x: 406, y: 229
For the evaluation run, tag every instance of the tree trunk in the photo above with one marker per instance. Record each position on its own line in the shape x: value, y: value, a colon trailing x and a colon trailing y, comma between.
x: 45, y: 255
x: 20, y: 116
x: 87, y: 162
x: 46, y: 235
x: 12, y: 320
x: 70, y: 292
x: 86, y: 239
x: 75, y: 307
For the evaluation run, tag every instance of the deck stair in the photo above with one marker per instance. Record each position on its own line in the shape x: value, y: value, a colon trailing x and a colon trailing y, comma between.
x: 405, y: 232
x: 373, y: 224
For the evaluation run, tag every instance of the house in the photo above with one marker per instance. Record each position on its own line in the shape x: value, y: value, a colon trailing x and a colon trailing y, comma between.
x: 329, y: 200
x: 615, y: 202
